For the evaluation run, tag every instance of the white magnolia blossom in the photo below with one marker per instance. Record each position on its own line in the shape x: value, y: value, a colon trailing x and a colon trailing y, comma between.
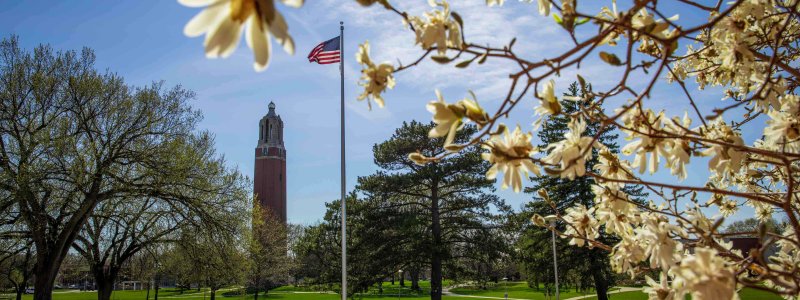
x: 548, y: 103
x: 645, y: 126
x: 658, y: 236
x: 783, y: 128
x: 375, y: 78
x: 511, y: 154
x: 615, y: 210
x: 611, y: 167
x: 697, y: 220
x: 572, y: 152
x: 581, y: 225
x: 627, y: 255
x: 706, y: 276
x: 438, y: 30
x: 448, y: 117
x: 725, y: 158
x: 726, y: 205
x: 222, y: 21
x: 678, y: 152
x: 659, y: 290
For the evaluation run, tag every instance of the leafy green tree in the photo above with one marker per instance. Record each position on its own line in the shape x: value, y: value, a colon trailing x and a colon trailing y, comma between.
x: 439, y: 210
x: 318, y: 251
x: 378, y: 242
x: 16, y: 266
x: 211, y: 259
x: 73, y: 138
x: 268, y: 251
x: 309, y: 255
x: 751, y: 227
x: 177, y: 265
x: 535, y: 242
x: 120, y: 228
x: 144, y: 266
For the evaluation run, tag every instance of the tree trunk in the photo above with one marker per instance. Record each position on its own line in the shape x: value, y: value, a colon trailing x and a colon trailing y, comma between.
x: 104, y: 289
x: 415, y: 279
x: 20, y: 289
x: 257, y: 282
x: 104, y: 277
x: 148, y: 292
x: 380, y: 286
x: 436, y: 255
x: 46, y: 270
x: 50, y: 253
x: 600, y: 283
x: 402, y: 279
x: 155, y: 288
x: 213, y: 294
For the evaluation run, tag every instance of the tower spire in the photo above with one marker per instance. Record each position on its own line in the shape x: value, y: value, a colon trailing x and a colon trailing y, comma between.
x: 269, y: 180
x: 271, y: 109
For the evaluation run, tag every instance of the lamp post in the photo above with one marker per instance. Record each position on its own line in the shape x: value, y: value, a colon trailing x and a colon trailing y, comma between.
x: 555, y: 262
x: 398, y: 283
x: 506, y: 284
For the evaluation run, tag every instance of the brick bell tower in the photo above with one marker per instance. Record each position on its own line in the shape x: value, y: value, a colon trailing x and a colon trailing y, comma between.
x: 269, y: 183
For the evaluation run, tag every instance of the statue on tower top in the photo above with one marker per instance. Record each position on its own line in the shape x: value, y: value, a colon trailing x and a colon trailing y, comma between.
x: 271, y: 109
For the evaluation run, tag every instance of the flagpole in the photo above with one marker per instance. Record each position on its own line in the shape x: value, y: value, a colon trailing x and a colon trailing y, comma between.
x: 344, y: 206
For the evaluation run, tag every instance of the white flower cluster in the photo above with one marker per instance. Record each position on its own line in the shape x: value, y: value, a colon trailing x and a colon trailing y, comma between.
x: 438, y: 30
x: 375, y: 78
x: 749, y: 49
x: 746, y: 49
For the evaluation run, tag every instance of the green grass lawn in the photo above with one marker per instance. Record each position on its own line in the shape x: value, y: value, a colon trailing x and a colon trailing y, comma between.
x: 515, y: 290
x: 285, y: 292
x: 390, y: 291
x: 165, y: 293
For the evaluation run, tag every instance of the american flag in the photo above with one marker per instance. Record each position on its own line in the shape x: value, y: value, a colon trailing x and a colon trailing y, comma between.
x: 326, y: 53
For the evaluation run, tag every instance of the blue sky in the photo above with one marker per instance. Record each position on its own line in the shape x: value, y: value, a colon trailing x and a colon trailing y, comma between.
x: 143, y: 41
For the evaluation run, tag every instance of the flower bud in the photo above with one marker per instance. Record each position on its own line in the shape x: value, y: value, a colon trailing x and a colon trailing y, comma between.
x: 418, y: 158
x: 538, y: 220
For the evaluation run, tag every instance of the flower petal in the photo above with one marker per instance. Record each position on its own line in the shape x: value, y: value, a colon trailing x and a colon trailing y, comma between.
x: 492, y: 173
x: 280, y: 31
x: 451, y: 134
x: 258, y: 41
x: 516, y: 180
x: 205, y: 20
x: 199, y: 3
x: 439, y: 131
x: 224, y: 39
x: 530, y: 167
x: 293, y: 3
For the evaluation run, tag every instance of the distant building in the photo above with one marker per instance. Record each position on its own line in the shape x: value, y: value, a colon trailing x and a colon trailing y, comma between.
x: 269, y: 184
x: 745, y: 244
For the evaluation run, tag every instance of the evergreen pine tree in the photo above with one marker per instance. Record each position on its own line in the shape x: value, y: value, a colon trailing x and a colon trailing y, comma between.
x: 588, y: 267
